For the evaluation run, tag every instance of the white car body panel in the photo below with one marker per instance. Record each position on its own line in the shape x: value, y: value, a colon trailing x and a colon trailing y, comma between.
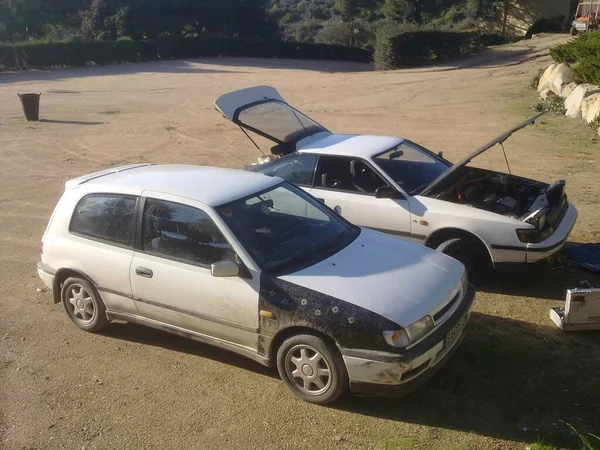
x: 394, y: 276
x: 227, y: 104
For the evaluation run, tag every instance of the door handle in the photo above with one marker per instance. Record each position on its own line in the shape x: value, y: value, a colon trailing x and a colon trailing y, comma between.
x: 143, y: 272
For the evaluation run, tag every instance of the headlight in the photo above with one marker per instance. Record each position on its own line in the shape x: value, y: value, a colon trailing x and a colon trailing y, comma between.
x: 410, y: 334
x: 529, y: 235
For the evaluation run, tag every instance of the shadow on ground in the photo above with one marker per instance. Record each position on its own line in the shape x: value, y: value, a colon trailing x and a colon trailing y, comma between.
x: 190, y: 66
x: 149, y: 336
x: 70, y: 122
x: 509, y: 380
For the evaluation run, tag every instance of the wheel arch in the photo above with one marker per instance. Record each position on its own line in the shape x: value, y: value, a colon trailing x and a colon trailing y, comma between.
x: 288, y: 332
x: 443, y: 234
x: 61, y: 276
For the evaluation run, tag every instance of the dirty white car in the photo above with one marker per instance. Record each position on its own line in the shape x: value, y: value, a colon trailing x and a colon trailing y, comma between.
x: 252, y: 264
x: 480, y: 217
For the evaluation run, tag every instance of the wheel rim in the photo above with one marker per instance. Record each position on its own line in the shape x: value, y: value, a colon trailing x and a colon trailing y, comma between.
x: 308, y: 370
x: 80, y: 303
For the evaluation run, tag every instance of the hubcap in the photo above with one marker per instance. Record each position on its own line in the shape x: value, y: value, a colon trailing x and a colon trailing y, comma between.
x: 308, y: 370
x: 80, y: 303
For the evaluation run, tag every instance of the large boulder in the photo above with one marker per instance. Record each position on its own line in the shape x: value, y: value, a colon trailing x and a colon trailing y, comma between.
x: 569, y: 88
x: 573, y: 101
x: 547, y: 94
x: 545, y: 79
x: 590, y: 108
x: 561, y: 76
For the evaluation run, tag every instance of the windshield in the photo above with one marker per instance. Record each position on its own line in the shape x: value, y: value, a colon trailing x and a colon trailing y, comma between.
x: 285, y: 229
x: 411, y: 166
x: 277, y: 121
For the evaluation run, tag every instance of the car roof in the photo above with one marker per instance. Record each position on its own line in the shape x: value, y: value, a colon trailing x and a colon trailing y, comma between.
x: 362, y: 146
x: 210, y: 185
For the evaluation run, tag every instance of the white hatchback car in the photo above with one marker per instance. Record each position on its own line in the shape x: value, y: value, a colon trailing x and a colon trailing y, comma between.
x: 480, y: 217
x: 252, y: 264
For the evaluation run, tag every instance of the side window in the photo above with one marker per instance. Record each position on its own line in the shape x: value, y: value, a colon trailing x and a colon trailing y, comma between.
x: 347, y: 174
x: 182, y: 232
x: 105, y: 216
x: 297, y: 168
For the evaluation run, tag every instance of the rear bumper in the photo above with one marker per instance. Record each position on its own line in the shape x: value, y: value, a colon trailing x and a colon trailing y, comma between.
x: 46, y: 274
x: 392, y: 374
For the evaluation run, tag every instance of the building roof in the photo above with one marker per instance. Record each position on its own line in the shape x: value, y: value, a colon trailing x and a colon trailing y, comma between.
x: 363, y: 146
x: 210, y: 185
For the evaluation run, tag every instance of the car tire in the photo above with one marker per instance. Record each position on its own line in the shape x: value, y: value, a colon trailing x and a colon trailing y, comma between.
x: 573, y: 31
x: 470, y: 254
x: 83, y: 304
x: 312, y: 369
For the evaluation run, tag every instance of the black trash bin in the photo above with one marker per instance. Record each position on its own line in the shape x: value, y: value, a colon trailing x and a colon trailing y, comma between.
x: 31, y: 106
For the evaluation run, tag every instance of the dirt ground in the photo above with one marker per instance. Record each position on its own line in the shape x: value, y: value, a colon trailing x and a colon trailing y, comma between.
x: 512, y: 383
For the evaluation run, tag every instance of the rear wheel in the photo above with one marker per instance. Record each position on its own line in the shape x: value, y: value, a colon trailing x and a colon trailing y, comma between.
x: 470, y: 254
x: 83, y: 304
x: 573, y: 31
x: 312, y: 369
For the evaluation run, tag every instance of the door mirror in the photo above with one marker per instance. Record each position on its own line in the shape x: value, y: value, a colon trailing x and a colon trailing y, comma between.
x: 224, y: 269
x: 441, y: 154
x: 385, y: 192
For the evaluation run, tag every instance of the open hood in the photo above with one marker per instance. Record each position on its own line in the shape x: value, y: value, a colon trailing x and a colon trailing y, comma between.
x: 262, y: 110
x: 497, y: 140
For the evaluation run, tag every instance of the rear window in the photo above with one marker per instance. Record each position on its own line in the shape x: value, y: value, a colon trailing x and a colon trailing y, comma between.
x: 106, y: 217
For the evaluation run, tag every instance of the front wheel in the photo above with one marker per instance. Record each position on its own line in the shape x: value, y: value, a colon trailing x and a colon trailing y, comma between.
x: 470, y: 254
x: 312, y: 369
x: 573, y: 31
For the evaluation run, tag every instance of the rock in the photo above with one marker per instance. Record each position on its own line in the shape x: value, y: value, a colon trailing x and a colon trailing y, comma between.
x: 39, y: 291
x: 561, y: 76
x: 568, y: 89
x: 545, y: 79
x: 546, y: 94
x: 573, y: 101
x: 590, y: 108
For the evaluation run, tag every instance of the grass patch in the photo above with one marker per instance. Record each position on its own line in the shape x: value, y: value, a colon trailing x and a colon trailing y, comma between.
x: 535, y: 81
x: 554, y: 105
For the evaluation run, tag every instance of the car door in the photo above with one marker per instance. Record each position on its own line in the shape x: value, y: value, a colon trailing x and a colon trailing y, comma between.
x: 171, y: 272
x: 348, y: 186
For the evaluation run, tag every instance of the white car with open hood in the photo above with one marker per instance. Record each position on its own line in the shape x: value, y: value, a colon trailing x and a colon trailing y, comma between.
x: 253, y: 264
x: 480, y: 217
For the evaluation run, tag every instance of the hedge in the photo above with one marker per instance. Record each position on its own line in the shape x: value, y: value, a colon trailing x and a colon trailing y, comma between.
x: 414, y: 48
x: 583, y: 50
x: 45, y: 55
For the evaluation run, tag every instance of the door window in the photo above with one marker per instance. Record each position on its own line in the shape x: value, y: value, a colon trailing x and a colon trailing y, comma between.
x: 347, y: 174
x: 107, y: 217
x: 184, y: 233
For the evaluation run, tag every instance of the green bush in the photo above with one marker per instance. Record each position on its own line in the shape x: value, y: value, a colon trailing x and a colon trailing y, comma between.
x: 44, y: 54
x: 393, y: 50
x: 583, y: 50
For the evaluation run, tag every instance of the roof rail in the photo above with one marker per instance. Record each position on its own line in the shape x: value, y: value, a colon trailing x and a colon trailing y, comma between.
x: 92, y: 176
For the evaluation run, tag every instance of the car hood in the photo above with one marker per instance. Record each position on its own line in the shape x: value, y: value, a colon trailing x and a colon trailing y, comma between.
x: 497, y: 140
x: 396, y: 279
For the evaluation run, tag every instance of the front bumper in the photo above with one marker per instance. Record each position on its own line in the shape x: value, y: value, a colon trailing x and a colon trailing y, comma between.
x: 545, y: 249
x: 392, y: 374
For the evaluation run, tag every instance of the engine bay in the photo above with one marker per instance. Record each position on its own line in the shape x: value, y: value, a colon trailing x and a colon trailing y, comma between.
x: 496, y: 192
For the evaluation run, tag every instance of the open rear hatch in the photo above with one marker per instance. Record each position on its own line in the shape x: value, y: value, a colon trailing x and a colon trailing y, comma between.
x: 263, y: 111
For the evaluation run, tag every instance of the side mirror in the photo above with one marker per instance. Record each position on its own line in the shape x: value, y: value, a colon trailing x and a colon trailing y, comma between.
x: 441, y: 154
x: 385, y: 192
x: 224, y: 269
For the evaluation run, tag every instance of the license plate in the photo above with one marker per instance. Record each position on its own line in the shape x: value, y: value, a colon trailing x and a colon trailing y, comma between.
x: 456, y: 331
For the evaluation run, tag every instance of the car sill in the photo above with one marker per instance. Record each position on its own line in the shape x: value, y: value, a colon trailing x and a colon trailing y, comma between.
x: 239, y: 349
